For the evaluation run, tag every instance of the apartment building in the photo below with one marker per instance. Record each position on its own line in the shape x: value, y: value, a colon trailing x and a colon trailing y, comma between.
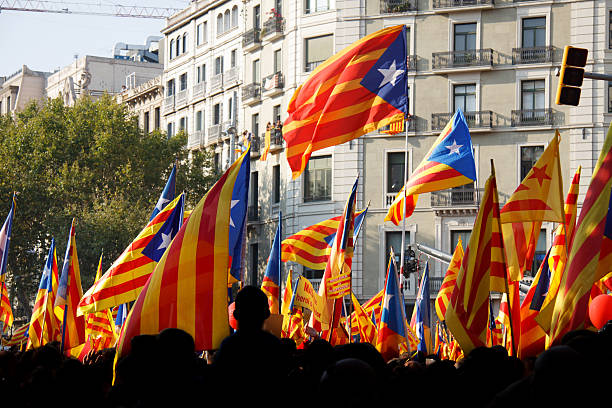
x: 145, y: 102
x: 21, y: 87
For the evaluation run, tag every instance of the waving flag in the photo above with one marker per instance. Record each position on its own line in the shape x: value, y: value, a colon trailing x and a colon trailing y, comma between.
x: 266, y: 148
x: 188, y: 289
x: 373, y: 308
x: 161, y: 240
x: 449, y: 163
x: 312, y: 245
x: 237, y: 233
x: 392, y: 327
x: 44, y: 324
x: 167, y: 194
x: 356, y: 91
x: 6, y: 313
x: 421, y: 318
x: 19, y: 336
x: 271, y: 281
x: 98, y: 327
x: 287, y: 295
x: 125, y: 278
x: 69, y: 292
x: 366, y: 328
x: 448, y: 284
x: 121, y: 315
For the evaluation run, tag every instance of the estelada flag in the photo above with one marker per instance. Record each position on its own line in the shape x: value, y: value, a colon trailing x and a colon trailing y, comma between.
x: 356, y: 91
x: 188, y: 288
x: 448, y: 284
x: 449, y: 163
x: 272, y: 277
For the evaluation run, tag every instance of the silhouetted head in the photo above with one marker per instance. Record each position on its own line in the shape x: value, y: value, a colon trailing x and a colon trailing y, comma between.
x: 251, y: 308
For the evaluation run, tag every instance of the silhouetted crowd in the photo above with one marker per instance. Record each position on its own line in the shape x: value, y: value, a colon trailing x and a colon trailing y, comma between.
x: 254, y: 368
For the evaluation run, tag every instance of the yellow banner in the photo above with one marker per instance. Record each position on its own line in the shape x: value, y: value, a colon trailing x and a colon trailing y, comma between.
x: 339, y: 286
x: 306, y: 296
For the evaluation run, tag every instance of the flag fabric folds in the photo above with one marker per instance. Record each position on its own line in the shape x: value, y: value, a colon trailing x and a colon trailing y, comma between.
x: 421, y: 319
x: 448, y: 284
x: 287, y: 295
x: 312, y: 245
x: 366, y: 328
x: 19, y: 336
x: 392, y: 327
x: 395, y: 127
x: 356, y: 91
x: 123, y: 281
x: 44, y: 324
x: 272, y: 277
x: 589, y: 259
x: 188, y: 289
x: 69, y: 292
x: 161, y: 240
x: 99, y: 328
x: 167, y: 194
x: 467, y: 312
x: 267, y: 142
x: 6, y: 312
x: 449, y: 163
x: 121, y: 316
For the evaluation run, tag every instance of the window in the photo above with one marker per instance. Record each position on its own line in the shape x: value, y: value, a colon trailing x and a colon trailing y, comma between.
x: 276, y: 113
x: 183, y: 82
x: 395, y: 171
x: 317, y: 179
x: 233, y: 59
x: 216, y: 113
x: 256, y: 72
x: 146, y: 122
x: 318, y: 49
x: 532, y: 95
x: 529, y: 155
x: 220, y: 24
x: 464, y: 97
x: 157, y: 118
x: 254, y: 252
x: 178, y: 46
x: 257, y: 17
x: 199, y: 34
x: 205, y: 32
x: 199, y: 76
x: 226, y: 20
x: 230, y: 108
x: 393, y: 239
x: 184, y: 43
x: 313, y: 6
x: 183, y: 124
x: 610, y: 31
x: 253, y: 210
x: 465, y: 37
x: 235, y: 16
x: 276, y: 181
x: 255, y: 124
x: 170, y: 87
x: 171, y: 49
x: 408, y: 41
x: 218, y: 65
x: 465, y: 238
x: 170, y: 130
x: 198, y: 121
x: 534, y: 32
x: 278, y: 5
x: 313, y: 275
x: 277, y: 61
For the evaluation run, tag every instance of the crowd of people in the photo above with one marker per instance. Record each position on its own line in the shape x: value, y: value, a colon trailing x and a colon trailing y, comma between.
x: 254, y: 367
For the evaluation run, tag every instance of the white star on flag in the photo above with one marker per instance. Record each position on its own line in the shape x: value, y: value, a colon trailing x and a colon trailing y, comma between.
x: 166, y: 238
x: 390, y: 74
x: 234, y: 202
x: 161, y: 202
x: 454, y: 148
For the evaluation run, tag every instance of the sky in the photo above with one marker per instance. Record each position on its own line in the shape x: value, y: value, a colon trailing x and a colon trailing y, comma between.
x: 49, y: 41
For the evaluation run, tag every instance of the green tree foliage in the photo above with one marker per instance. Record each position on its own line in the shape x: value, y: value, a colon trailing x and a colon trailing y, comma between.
x: 91, y: 162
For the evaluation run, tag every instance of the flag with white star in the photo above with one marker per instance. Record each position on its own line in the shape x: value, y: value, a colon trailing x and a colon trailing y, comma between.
x: 167, y: 195
x: 160, y: 242
x: 238, y: 218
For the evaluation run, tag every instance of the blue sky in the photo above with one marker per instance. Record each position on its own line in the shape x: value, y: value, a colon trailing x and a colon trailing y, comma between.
x: 48, y: 41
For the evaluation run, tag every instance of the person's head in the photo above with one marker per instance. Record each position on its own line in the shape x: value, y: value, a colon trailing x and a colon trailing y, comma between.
x: 251, y: 308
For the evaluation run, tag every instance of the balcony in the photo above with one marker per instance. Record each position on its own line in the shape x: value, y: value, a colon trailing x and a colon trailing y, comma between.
x: 195, y: 139
x: 181, y: 98
x: 230, y: 77
x: 273, y: 28
x: 412, y: 127
x: 168, y: 103
x: 273, y: 84
x: 389, y: 198
x: 397, y: 6
x: 227, y: 125
x: 255, y: 148
x: 216, y: 83
x: 276, y: 139
x: 533, y: 117
x: 477, y: 119
x: 251, y: 40
x: 442, y: 6
x: 253, y: 213
x: 532, y: 55
x: 310, y: 66
x: 468, y: 60
x: 434, y: 285
x: 456, y: 198
x: 412, y: 63
x: 199, y: 90
x: 251, y: 93
x: 214, y: 134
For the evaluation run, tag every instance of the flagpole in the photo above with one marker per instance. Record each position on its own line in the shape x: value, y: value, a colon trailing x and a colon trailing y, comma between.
x: 351, y: 283
x: 506, y: 271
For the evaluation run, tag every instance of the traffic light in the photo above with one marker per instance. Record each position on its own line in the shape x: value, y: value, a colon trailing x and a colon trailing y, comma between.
x: 571, y: 75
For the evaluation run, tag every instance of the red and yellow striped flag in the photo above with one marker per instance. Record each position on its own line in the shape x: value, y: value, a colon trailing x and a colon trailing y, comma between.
x: 356, y: 91
x: 188, y: 289
x: 266, y: 149
x: 6, y: 312
x: 373, y: 308
x: 124, y: 280
x: 468, y: 310
x: 590, y: 256
x: 98, y: 326
x: 69, y: 292
x: 365, y: 326
x: 395, y: 127
x: 533, y: 338
x: 19, y: 337
x: 448, y: 284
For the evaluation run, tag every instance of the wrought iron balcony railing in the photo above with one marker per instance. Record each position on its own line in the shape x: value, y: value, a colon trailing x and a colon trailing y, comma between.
x: 251, y: 37
x: 457, y: 197
x: 412, y: 63
x: 397, y: 6
x: 255, y: 145
x: 310, y: 66
x: 444, y: 4
x: 274, y: 81
x: 479, y: 119
x: 466, y: 58
x: 532, y: 55
x: 253, y: 213
x: 532, y: 117
x: 251, y: 91
x: 275, y: 24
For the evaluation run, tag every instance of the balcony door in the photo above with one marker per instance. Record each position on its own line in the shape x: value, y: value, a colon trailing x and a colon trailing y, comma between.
x: 464, y: 44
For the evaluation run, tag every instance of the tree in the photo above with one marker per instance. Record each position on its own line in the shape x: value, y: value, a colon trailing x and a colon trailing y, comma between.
x: 91, y: 162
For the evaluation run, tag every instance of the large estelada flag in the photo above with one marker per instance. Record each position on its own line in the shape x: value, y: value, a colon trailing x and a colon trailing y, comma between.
x: 188, y: 289
x: 590, y: 257
x: 449, y: 163
x: 125, y: 278
x: 312, y: 245
x: 356, y: 91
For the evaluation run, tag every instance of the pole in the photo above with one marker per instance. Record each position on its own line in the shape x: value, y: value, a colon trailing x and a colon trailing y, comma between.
x: 402, y: 250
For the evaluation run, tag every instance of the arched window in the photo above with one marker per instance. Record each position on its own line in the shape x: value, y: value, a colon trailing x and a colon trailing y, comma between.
x: 178, y: 45
x: 185, y: 43
x: 171, y: 54
x: 226, y: 20
x: 220, y: 24
x: 235, y: 16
